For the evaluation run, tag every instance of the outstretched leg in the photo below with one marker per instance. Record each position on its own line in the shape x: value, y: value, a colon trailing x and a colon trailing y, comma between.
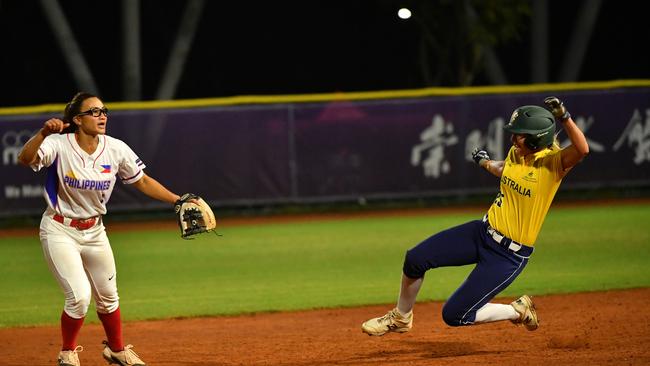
x: 451, y: 247
x: 408, y: 293
x: 399, y: 319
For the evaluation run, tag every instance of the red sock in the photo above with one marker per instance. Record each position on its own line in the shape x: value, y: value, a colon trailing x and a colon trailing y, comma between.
x: 112, y: 323
x: 69, y: 330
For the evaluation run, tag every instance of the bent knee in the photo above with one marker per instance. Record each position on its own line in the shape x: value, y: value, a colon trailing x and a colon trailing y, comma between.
x: 107, y: 303
x: 451, y: 316
x: 414, y: 266
x: 77, y: 306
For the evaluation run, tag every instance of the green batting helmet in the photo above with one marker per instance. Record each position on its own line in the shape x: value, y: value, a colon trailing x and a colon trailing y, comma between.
x: 535, y: 122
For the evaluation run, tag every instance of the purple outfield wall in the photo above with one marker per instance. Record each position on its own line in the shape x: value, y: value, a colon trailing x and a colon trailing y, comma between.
x: 342, y: 150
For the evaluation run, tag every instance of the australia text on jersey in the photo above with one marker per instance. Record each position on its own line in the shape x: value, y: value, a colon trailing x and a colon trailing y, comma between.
x: 508, y: 182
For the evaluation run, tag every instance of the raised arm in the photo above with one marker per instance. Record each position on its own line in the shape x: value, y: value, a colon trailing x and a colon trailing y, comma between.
x: 29, y: 153
x: 154, y: 189
x: 482, y: 158
x: 579, y: 148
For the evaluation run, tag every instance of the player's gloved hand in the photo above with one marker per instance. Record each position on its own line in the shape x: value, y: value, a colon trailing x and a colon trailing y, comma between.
x: 479, y: 155
x: 557, y: 108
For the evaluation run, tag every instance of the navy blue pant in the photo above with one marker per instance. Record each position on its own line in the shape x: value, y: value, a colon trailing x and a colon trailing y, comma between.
x: 469, y: 243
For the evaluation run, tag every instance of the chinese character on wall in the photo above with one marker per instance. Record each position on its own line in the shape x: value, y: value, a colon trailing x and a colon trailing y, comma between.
x: 430, y: 152
x: 637, y: 136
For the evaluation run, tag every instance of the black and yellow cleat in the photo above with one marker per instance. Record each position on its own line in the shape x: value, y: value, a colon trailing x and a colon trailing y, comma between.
x: 527, y: 313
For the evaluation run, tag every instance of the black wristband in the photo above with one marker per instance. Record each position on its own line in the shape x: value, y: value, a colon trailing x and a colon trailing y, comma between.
x: 565, y: 116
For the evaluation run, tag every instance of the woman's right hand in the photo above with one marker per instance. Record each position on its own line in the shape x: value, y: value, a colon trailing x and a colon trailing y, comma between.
x: 29, y: 153
x: 53, y: 125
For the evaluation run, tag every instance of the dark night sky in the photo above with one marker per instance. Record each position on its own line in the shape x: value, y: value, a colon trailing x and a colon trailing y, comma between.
x: 281, y: 48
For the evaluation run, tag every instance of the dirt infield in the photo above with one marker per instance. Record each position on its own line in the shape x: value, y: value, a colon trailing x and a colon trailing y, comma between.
x: 602, y: 328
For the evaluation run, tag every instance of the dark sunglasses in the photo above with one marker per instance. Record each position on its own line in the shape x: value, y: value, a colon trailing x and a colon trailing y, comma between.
x: 95, y: 112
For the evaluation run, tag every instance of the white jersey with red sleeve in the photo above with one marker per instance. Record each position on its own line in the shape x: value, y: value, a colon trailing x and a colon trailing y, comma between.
x: 79, y: 184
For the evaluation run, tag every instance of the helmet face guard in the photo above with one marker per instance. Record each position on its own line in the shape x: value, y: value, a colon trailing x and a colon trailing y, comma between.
x: 537, y: 123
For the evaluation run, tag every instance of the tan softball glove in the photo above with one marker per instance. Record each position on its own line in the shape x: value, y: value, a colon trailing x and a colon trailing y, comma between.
x: 194, y: 216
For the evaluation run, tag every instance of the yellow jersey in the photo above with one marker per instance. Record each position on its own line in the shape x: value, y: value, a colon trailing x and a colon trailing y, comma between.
x: 528, y: 185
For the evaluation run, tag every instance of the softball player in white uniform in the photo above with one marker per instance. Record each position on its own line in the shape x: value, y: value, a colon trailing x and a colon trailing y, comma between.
x: 82, y: 167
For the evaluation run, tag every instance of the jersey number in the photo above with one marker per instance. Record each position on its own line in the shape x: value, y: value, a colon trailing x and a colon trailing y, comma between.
x: 499, y: 200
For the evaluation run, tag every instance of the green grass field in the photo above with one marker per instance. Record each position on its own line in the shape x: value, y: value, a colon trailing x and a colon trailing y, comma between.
x: 323, y: 263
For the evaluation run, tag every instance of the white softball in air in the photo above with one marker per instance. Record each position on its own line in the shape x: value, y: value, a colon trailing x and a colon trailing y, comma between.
x: 404, y: 13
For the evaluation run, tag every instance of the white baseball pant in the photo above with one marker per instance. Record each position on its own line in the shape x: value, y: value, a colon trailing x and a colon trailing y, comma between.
x: 82, y: 263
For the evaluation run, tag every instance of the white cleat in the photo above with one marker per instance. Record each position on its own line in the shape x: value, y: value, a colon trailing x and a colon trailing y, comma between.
x: 69, y: 358
x: 393, y: 321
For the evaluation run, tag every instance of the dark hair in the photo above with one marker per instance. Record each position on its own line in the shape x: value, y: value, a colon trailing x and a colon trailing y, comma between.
x: 73, y: 108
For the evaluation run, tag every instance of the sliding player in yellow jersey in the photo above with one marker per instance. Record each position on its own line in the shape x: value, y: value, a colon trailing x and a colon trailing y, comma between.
x: 501, y: 243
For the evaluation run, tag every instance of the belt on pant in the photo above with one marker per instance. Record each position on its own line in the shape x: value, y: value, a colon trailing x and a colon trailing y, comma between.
x: 501, y: 239
x: 79, y: 224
